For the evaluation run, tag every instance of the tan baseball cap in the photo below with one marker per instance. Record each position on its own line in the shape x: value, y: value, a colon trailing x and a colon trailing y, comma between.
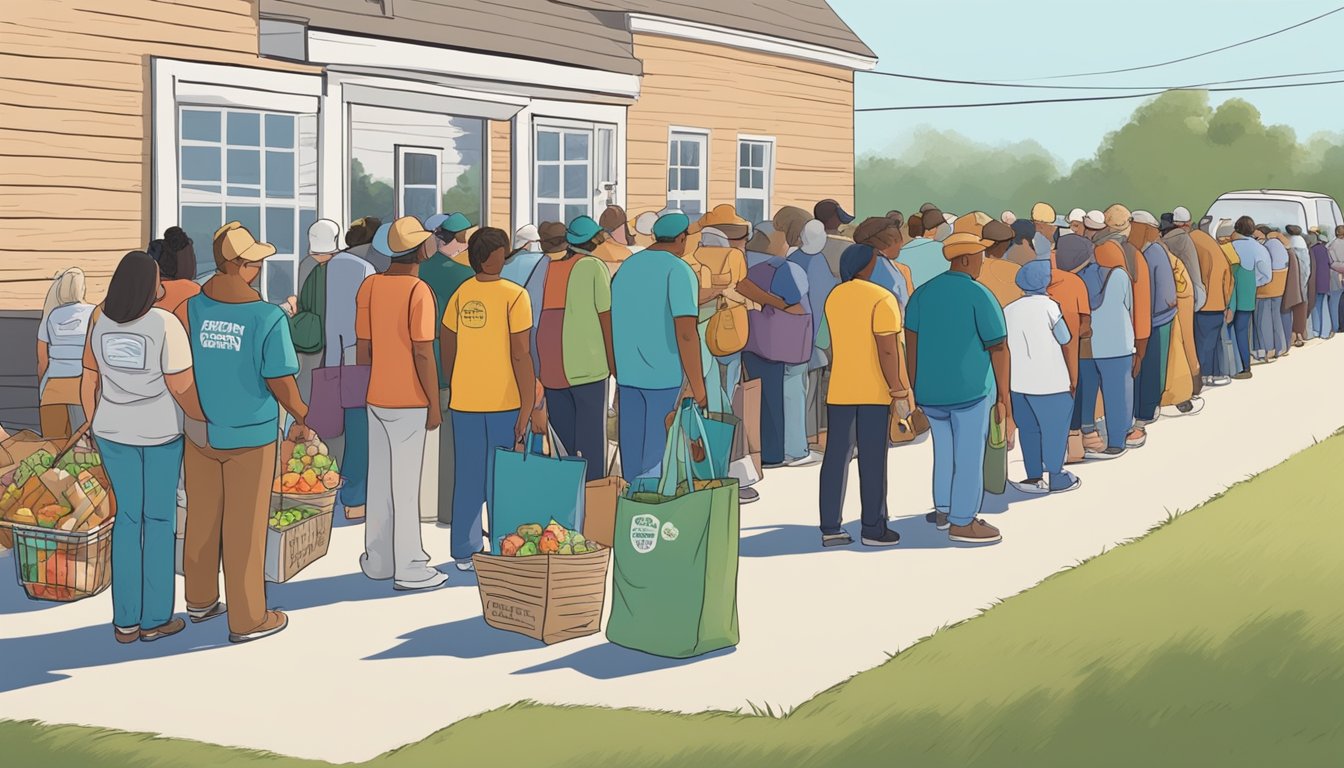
x: 1043, y: 213
x: 963, y: 244
x: 232, y: 242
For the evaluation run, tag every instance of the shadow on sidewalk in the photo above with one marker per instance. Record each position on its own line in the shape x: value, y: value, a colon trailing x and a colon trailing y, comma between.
x: 469, y: 638
x: 42, y: 659
x: 346, y: 588
x: 12, y: 597
x: 609, y: 662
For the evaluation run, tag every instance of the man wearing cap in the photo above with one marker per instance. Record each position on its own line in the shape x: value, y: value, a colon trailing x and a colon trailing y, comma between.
x: 958, y: 360
x: 444, y: 272
x: 833, y: 217
x: 522, y: 261
x: 307, y: 310
x: 656, y: 343
x: 615, y: 247
x: 923, y: 256
x: 1046, y: 221
x: 998, y: 274
x: 245, y: 366
x: 1180, y: 242
x: 811, y: 258
x: 1114, y: 249
x: 1217, y: 286
x: 359, y: 242
x: 1075, y: 220
x: 1152, y: 381
x: 395, y: 322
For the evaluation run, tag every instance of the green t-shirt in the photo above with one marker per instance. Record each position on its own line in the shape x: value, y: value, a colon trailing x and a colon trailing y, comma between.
x: 576, y: 292
x: 443, y: 276
x: 957, y: 320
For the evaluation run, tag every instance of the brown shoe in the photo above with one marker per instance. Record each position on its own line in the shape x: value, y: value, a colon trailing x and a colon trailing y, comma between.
x: 275, y: 622
x: 1092, y: 442
x: 978, y: 532
x: 173, y: 626
x: 354, y: 513
x: 198, y: 615
x: 126, y: 636
x: 1077, y: 451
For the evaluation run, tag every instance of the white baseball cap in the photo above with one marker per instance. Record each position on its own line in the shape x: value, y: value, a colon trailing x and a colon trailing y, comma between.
x: 1077, y: 215
x: 525, y: 235
x: 1143, y: 217
x: 1181, y: 215
x: 323, y: 236
x: 1095, y: 220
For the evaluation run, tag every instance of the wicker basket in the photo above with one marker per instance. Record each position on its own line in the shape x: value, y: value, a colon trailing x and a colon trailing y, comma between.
x: 63, y: 566
x: 546, y: 597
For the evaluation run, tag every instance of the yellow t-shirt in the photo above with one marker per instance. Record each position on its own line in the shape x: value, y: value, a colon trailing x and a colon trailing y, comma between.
x: 857, y: 311
x: 484, y: 315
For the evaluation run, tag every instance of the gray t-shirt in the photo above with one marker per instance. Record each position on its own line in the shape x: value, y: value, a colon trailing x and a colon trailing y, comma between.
x: 345, y: 273
x: 135, y: 407
x: 63, y: 331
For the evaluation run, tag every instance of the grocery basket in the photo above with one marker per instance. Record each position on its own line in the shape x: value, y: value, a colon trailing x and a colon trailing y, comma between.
x: 63, y: 566
x: 296, y: 546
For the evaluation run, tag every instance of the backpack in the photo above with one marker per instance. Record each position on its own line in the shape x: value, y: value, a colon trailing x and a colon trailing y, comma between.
x: 308, y: 325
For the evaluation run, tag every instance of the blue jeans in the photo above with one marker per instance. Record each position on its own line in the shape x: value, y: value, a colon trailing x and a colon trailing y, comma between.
x: 723, y: 374
x: 475, y: 438
x: 144, y: 546
x: 1208, y: 340
x: 959, y: 435
x: 1043, y: 430
x: 355, y: 462
x: 795, y: 412
x: 1241, y: 329
x: 579, y: 417
x: 643, y: 429
x: 1114, y: 377
x: 1152, y: 381
x: 866, y: 426
x: 771, y: 375
x: 1323, y: 320
x: 1268, y: 336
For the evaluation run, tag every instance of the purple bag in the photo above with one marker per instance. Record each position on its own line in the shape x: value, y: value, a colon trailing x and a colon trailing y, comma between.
x: 336, y: 388
x: 774, y: 334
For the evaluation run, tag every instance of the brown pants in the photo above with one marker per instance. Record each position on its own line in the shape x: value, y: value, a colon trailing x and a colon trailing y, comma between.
x: 228, y: 497
x: 59, y: 413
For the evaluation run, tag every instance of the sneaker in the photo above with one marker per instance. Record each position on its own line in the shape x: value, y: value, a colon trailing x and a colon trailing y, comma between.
x: 774, y: 466
x: 126, y: 635
x: 841, y: 539
x: 1064, y: 482
x: 1189, y: 407
x: 198, y: 615
x: 978, y: 532
x: 938, y: 518
x: 465, y: 566
x: 1244, y: 375
x: 888, y: 539
x: 354, y: 513
x: 748, y: 495
x: 1106, y: 454
x: 1092, y: 443
x: 1220, y: 381
x: 433, y: 582
x: 172, y: 627
x: 1136, y: 438
x: 811, y: 459
x: 1034, y: 487
x: 275, y: 622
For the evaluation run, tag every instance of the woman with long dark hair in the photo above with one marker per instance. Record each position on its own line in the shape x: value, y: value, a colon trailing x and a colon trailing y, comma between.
x: 137, y: 385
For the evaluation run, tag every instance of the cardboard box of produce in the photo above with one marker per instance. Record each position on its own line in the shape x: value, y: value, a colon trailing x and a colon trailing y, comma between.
x: 296, y: 538
x: 548, y: 597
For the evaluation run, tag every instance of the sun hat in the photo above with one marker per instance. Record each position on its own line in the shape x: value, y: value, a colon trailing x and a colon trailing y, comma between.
x: 400, y: 237
x: 1143, y: 217
x: 582, y: 230
x: 526, y: 235
x: 972, y: 223
x: 1034, y: 276
x: 1076, y: 216
x: 232, y: 242
x: 553, y: 237
x: 1181, y: 215
x: 671, y: 225
x: 1118, y: 217
x: 960, y: 244
x: 1043, y: 213
x: 996, y: 231
x: 724, y: 217
x: 1095, y: 220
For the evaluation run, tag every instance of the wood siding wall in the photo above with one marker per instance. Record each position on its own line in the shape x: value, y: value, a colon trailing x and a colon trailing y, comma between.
x: 501, y: 175
x: 76, y: 116
x: 807, y: 107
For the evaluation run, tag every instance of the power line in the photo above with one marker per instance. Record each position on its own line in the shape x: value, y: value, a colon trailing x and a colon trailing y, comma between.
x: 1265, y: 36
x: 995, y: 84
x: 1096, y: 98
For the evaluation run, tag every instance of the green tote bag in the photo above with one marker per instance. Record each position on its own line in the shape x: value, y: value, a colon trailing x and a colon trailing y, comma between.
x: 675, y: 554
x: 996, y: 459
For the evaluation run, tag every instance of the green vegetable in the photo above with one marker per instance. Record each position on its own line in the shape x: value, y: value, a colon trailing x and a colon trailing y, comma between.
x: 527, y: 550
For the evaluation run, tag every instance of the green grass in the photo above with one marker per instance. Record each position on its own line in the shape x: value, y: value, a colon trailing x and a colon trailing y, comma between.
x: 1217, y: 640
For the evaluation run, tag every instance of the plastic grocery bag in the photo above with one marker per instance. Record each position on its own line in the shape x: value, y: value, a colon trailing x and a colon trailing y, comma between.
x: 996, y: 458
x: 674, y: 583
x: 533, y: 488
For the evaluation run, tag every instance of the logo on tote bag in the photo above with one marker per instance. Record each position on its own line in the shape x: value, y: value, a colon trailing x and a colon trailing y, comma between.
x: 670, y: 532
x: 644, y: 533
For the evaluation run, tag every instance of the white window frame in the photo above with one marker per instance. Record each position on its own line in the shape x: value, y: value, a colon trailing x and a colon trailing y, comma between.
x: 563, y: 128
x: 748, y: 193
x: 548, y: 112
x: 675, y: 198
x: 401, y: 150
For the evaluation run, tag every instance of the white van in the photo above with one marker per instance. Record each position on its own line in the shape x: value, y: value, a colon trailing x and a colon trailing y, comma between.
x: 1279, y: 208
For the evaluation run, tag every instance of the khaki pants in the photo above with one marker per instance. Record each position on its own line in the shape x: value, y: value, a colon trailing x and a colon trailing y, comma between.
x: 229, y: 496
x: 59, y: 412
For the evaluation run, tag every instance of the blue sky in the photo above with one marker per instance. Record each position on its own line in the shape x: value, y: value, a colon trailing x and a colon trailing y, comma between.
x: 1007, y: 39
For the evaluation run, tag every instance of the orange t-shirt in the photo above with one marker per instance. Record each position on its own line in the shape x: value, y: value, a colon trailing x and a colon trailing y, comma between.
x: 176, y: 293
x: 1070, y: 293
x: 1111, y: 254
x: 391, y: 313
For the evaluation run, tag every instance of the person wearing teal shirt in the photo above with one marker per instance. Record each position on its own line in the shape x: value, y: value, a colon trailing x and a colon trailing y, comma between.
x: 923, y: 256
x: 958, y: 361
x: 655, y: 342
x: 444, y: 274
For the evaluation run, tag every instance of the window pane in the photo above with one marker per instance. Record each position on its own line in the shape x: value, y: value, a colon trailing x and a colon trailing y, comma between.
x: 576, y: 146
x: 200, y: 163
x: 548, y: 212
x: 690, y: 179
x: 212, y: 188
x: 744, y: 178
x: 576, y: 182
x: 200, y: 223
x: 548, y: 181
x: 673, y: 149
x: 758, y: 179
x: 419, y: 168
x: 574, y: 211
x: 306, y: 219
x: 280, y: 229
x: 691, y: 208
x: 548, y: 145
x: 248, y: 215
x: 690, y: 153
x: 280, y: 131
x: 672, y: 177
x: 420, y: 202
x: 758, y: 155
x: 280, y: 278
x: 244, y: 192
x: 244, y: 129
x: 751, y: 210
x: 200, y: 125
x: 244, y: 166
x: 744, y: 153
x: 280, y: 174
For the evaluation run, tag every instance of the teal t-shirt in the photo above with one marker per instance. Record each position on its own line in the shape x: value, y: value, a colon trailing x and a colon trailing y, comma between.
x: 650, y: 289
x: 957, y: 320
x: 235, y: 348
x: 443, y: 276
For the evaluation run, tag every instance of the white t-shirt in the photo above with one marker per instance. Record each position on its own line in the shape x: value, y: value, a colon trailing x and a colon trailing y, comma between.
x: 135, y: 407
x: 63, y: 331
x: 1035, y: 353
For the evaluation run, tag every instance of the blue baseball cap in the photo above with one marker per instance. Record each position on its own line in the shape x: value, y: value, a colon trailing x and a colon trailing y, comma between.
x: 671, y: 225
x: 448, y: 222
x: 582, y: 230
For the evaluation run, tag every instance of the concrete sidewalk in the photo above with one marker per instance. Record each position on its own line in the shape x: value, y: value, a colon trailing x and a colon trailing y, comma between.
x: 363, y: 669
